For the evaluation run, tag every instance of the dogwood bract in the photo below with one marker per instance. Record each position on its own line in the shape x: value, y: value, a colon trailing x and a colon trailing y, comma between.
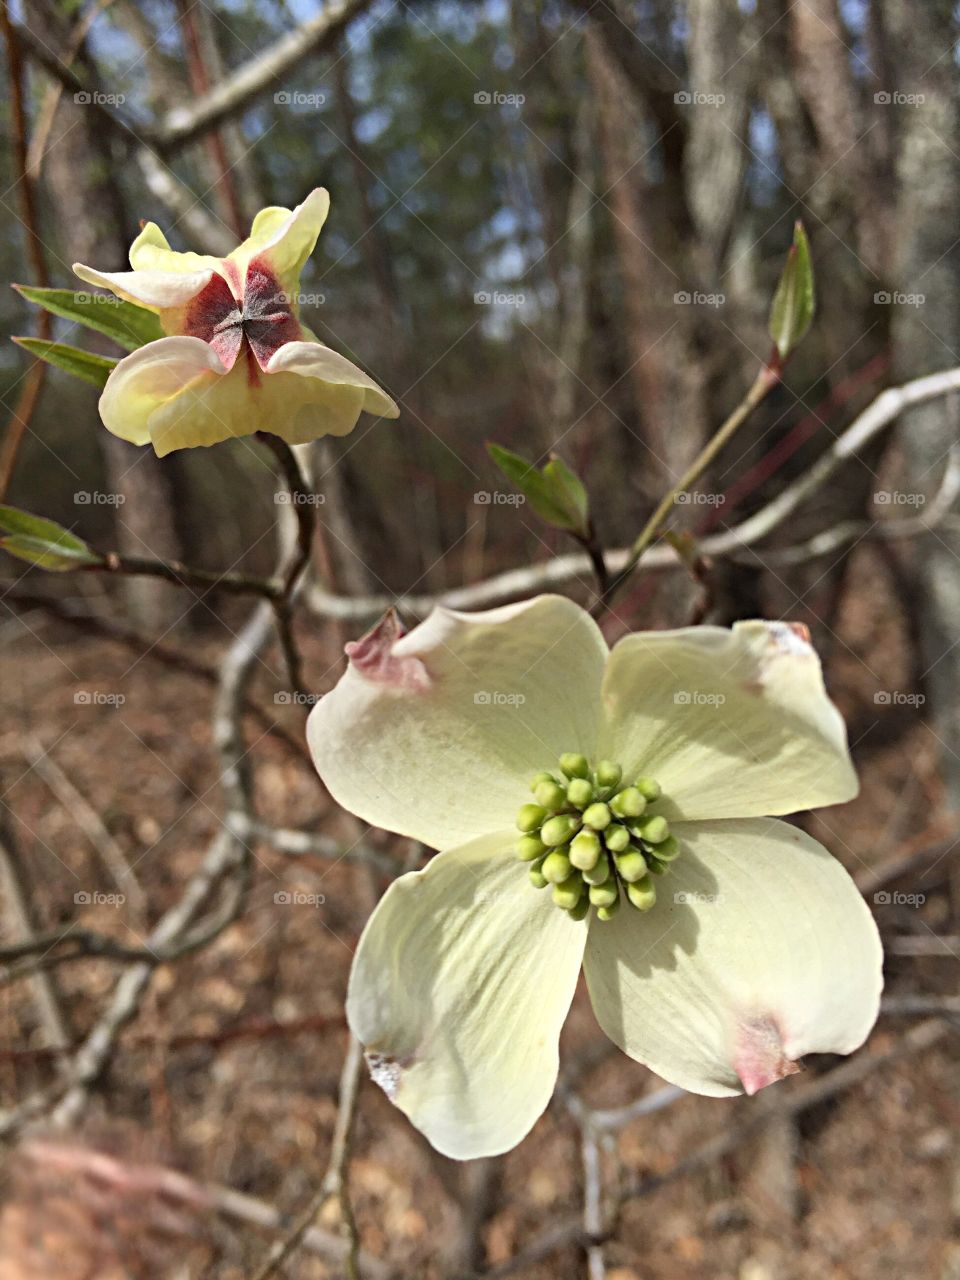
x: 235, y: 359
x: 719, y: 944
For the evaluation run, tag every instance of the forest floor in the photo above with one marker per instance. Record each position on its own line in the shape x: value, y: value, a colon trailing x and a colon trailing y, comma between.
x: 229, y: 1075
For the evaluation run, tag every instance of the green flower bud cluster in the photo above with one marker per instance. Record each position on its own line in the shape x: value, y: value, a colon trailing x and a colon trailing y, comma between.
x: 594, y: 840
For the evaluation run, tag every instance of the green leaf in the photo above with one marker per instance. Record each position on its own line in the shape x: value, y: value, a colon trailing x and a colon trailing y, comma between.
x: 81, y: 364
x: 793, y: 304
x: 555, y: 493
x: 129, y: 326
x: 43, y: 542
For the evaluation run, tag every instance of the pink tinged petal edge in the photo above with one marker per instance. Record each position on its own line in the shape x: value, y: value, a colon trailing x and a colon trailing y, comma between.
x: 759, y: 1057
x: 373, y: 657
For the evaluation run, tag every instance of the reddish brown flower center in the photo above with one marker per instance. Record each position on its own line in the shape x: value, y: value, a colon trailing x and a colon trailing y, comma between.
x: 262, y: 320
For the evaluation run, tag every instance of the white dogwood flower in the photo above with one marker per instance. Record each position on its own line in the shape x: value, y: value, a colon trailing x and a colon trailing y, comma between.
x: 639, y: 786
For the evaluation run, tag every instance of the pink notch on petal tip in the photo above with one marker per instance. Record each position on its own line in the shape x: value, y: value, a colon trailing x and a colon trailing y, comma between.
x: 373, y: 657
x: 760, y: 1059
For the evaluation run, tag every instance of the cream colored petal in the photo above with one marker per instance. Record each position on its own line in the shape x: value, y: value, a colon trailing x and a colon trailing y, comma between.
x: 150, y: 378
x: 460, y: 986
x: 759, y: 950
x: 285, y: 237
x: 313, y: 360
x: 159, y: 291
x: 436, y: 734
x: 732, y: 723
x: 151, y: 252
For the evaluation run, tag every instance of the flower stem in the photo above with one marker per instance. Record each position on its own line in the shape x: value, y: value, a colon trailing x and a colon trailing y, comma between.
x: 763, y: 384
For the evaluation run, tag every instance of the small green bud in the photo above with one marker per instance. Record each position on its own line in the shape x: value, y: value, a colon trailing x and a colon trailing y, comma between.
x: 580, y: 910
x: 631, y: 865
x: 551, y: 795
x: 655, y: 866
x: 642, y: 894
x: 653, y: 828
x: 541, y: 777
x: 608, y: 775
x: 530, y: 817
x: 649, y: 788
x: 628, y: 803
x: 616, y: 838
x: 556, y: 866
x: 598, y: 873
x: 569, y: 892
x: 668, y: 849
x: 537, y: 878
x: 585, y: 850
x: 607, y: 913
x: 597, y: 816
x: 580, y: 793
x: 604, y: 895
x: 575, y: 766
x: 559, y: 829
x: 529, y: 847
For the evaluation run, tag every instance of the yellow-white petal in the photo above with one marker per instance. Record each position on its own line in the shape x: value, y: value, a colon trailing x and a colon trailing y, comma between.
x: 436, y: 734
x: 459, y: 988
x: 159, y: 291
x: 176, y: 394
x: 732, y: 723
x: 151, y: 252
x: 759, y: 950
x: 314, y: 360
x: 285, y: 237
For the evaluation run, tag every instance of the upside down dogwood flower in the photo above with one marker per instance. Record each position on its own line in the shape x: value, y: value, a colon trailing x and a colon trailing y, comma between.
x: 719, y: 944
x: 236, y: 358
